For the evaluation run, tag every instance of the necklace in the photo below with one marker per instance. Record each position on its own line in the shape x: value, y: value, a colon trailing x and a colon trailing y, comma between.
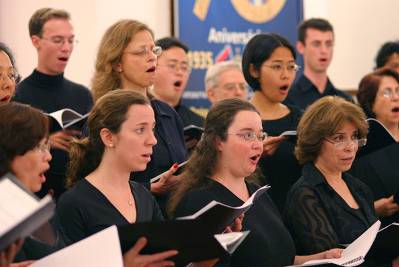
x: 130, y: 202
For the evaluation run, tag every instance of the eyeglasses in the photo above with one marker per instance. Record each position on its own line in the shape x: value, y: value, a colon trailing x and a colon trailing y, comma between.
x: 233, y: 86
x: 251, y: 136
x: 44, y: 147
x: 279, y: 68
x: 185, y: 68
x: 145, y: 51
x: 345, y: 143
x: 60, y: 41
x: 12, y: 75
x: 390, y: 92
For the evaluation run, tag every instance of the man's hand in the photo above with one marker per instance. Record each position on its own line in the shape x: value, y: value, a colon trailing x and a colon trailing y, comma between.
x: 385, y: 207
x: 271, y: 144
x: 62, y: 139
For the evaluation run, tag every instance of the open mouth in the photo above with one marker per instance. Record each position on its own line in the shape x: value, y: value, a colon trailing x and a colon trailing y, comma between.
x: 395, y: 109
x: 284, y: 87
x: 323, y: 60
x: 152, y: 69
x: 255, y: 158
x: 64, y: 59
x: 5, y: 98
x: 177, y: 83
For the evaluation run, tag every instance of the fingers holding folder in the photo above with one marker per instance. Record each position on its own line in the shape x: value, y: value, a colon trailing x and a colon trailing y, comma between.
x: 132, y: 258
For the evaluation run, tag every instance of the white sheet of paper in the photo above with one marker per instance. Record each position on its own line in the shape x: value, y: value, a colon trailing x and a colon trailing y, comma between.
x: 16, y: 205
x: 101, y: 250
x: 214, y: 203
x: 354, y: 254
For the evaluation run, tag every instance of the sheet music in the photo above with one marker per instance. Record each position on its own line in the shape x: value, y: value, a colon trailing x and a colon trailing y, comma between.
x: 101, y: 250
x: 355, y: 253
x: 214, y: 203
x: 16, y: 204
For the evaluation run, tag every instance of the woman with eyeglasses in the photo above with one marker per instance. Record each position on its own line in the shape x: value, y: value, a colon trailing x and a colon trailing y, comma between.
x: 8, y: 74
x: 378, y: 95
x: 127, y: 59
x: 327, y: 206
x: 269, y: 68
x: 24, y: 151
x: 220, y: 168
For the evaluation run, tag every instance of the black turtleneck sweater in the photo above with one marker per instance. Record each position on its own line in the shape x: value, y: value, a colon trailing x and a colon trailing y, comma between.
x: 50, y: 93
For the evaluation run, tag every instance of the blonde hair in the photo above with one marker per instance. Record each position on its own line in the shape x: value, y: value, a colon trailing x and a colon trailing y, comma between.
x: 115, y: 40
x: 322, y: 119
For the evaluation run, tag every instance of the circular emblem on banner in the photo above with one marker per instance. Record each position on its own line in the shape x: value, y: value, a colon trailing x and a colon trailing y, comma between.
x: 258, y: 11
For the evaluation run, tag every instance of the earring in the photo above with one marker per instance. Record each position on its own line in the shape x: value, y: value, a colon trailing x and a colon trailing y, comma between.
x: 111, y: 145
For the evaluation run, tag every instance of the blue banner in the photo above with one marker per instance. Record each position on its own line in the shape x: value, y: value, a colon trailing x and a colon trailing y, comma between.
x: 218, y: 30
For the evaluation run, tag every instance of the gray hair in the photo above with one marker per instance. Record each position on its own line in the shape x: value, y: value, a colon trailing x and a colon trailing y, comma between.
x: 214, y: 71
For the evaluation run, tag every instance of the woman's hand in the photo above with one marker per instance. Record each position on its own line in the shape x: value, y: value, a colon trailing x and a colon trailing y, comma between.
x: 332, y: 253
x: 7, y: 255
x: 271, y: 144
x: 385, y: 207
x: 236, y: 226
x: 132, y: 258
x: 167, y: 181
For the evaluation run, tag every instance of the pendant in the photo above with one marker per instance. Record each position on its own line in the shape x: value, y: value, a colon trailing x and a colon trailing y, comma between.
x: 130, y: 203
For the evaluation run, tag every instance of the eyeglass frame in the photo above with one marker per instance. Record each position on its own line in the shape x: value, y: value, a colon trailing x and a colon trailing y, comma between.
x: 251, y: 136
x: 280, y: 69
x: 145, y: 51
x: 345, y: 144
x: 60, y: 41
x: 391, y: 93
x: 43, y: 147
x: 172, y: 66
x: 15, y: 76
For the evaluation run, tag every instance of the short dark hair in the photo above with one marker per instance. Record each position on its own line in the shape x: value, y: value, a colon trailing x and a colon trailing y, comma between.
x: 258, y: 50
x: 22, y: 129
x: 385, y: 52
x: 7, y: 50
x: 314, y: 23
x: 170, y: 42
x: 368, y: 88
x: 41, y: 16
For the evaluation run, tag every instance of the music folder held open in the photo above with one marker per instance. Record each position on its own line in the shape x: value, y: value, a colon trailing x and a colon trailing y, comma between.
x: 21, y: 212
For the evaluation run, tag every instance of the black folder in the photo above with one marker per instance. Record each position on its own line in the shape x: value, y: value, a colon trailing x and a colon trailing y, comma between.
x: 217, y: 216
x: 67, y: 119
x: 386, y: 244
x: 190, y: 237
x: 193, y: 132
x: 36, y: 217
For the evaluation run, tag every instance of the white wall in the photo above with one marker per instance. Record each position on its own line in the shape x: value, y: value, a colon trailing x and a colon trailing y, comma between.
x: 90, y: 19
x: 361, y: 26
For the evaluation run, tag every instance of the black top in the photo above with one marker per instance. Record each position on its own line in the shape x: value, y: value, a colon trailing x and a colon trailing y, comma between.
x: 84, y: 210
x: 50, y: 93
x: 189, y: 117
x: 319, y: 219
x: 268, y: 244
x: 380, y: 171
x: 303, y: 93
x: 281, y: 170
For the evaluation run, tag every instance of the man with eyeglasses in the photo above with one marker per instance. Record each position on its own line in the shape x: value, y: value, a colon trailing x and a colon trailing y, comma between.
x: 316, y: 45
x: 171, y: 78
x: 47, y: 89
x: 225, y: 80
